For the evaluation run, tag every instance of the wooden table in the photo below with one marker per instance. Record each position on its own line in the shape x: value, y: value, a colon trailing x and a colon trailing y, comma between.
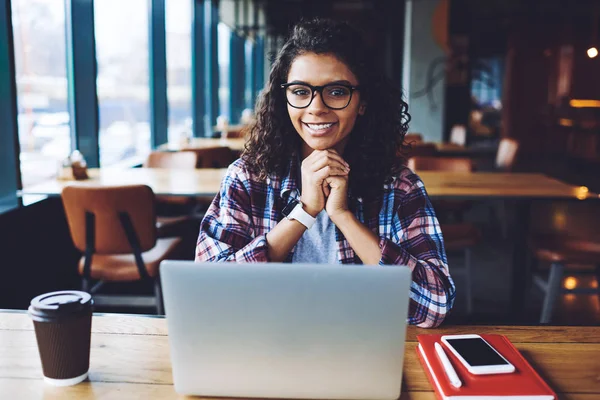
x: 206, y: 182
x: 500, y: 186
x: 524, y: 188
x: 236, y: 144
x: 130, y: 359
x: 172, y: 182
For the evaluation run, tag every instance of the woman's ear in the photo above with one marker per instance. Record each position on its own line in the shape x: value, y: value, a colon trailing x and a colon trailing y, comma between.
x: 362, y: 108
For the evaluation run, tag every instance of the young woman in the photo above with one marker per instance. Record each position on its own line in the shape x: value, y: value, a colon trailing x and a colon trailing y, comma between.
x: 321, y: 179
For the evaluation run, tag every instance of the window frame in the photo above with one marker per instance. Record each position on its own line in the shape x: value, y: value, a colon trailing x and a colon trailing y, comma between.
x: 10, y: 171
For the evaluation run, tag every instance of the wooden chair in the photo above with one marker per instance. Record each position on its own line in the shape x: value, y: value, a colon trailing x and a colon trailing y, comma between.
x: 450, y: 164
x: 412, y: 137
x: 213, y: 157
x: 421, y: 149
x: 115, y: 228
x: 453, y: 208
x: 506, y: 157
x: 173, y: 225
x: 562, y: 250
x: 506, y: 154
x: 458, y: 135
x: 171, y: 159
x: 457, y: 236
x: 235, y: 133
x: 462, y: 237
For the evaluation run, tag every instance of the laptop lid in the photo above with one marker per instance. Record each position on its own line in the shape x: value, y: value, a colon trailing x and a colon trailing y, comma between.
x: 286, y: 330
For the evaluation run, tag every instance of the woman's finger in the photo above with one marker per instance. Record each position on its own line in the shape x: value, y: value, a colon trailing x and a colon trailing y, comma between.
x: 320, y: 175
x: 326, y: 188
x: 326, y: 161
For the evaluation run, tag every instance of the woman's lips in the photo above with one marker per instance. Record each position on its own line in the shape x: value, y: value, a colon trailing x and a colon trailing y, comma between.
x: 320, y: 129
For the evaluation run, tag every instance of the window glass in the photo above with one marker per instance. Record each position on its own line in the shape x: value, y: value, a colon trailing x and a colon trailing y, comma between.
x: 179, y: 68
x: 224, y: 44
x: 123, y: 89
x: 486, y: 99
x: 40, y: 64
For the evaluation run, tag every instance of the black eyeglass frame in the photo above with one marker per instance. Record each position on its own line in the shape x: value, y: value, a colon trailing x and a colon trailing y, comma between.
x: 319, y: 89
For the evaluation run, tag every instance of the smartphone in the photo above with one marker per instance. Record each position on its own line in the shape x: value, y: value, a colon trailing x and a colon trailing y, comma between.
x: 477, y: 355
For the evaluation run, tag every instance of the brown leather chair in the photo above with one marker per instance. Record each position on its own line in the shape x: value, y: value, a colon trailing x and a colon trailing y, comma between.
x: 507, y: 154
x: 173, y: 225
x: 115, y: 228
x: 561, y: 250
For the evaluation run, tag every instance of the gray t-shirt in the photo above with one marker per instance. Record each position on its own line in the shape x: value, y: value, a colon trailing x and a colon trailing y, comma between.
x: 317, y: 245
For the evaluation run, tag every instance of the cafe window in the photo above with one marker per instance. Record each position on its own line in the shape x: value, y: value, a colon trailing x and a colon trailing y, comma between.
x: 179, y: 68
x: 121, y: 29
x: 224, y: 43
x: 40, y: 65
x: 486, y: 98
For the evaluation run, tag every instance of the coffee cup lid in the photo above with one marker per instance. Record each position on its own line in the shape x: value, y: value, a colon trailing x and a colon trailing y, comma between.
x: 60, y: 303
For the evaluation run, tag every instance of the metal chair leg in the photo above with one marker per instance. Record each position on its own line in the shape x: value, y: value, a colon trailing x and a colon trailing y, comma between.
x: 468, y: 281
x: 552, y: 292
x: 158, y: 295
x: 85, y: 284
x: 503, y: 216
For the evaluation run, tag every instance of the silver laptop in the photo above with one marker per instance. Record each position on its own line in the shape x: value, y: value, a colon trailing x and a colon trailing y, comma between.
x: 286, y: 330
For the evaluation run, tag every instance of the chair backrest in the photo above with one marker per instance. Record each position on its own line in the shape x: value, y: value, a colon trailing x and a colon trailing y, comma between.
x: 451, y: 164
x: 235, y: 133
x: 174, y: 160
x: 412, y: 137
x: 108, y: 204
x: 507, y: 153
x: 214, y: 157
x: 458, y: 135
x: 421, y: 149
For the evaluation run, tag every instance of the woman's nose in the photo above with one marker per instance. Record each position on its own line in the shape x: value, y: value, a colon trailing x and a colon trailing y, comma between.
x: 317, y: 104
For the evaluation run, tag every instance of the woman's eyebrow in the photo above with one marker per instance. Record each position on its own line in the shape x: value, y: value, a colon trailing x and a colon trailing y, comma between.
x: 344, y: 82
x: 299, y: 82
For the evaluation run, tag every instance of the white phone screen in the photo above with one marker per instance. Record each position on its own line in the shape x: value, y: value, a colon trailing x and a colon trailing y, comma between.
x: 476, y: 352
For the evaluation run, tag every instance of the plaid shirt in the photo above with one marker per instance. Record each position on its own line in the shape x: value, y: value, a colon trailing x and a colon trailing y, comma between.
x: 246, y: 209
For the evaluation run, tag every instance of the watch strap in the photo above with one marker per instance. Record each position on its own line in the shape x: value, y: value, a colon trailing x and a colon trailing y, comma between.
x: 302, y: 216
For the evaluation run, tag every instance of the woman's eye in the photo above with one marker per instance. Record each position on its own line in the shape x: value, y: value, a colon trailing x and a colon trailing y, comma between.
x: 300, y: 92
x: 338, y: 92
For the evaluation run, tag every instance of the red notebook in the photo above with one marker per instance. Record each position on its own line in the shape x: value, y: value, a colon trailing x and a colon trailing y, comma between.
x: 524, y: 383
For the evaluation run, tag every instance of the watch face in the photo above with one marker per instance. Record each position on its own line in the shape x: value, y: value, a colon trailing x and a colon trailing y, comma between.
x: 289, y: 207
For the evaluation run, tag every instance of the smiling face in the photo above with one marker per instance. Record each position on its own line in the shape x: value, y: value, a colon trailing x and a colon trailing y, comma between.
x: 319, y: 126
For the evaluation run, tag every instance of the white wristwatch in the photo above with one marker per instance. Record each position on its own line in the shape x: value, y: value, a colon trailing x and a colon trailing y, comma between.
x: 294, y: 210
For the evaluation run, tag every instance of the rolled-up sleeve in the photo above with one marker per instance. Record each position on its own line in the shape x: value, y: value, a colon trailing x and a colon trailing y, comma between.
x: 227, y: 232
x: 417, y: 243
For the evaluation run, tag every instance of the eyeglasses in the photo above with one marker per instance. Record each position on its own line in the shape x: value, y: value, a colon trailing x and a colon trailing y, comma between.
x: 335, y: 96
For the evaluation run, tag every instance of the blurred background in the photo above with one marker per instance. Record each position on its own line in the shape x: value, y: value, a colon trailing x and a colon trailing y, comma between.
x: 116, y: 79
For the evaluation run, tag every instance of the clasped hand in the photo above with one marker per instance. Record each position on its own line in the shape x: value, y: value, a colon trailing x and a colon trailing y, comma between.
x: 325, y: 183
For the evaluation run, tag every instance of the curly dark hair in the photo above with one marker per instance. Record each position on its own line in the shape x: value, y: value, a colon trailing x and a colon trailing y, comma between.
x: 375, y: 147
